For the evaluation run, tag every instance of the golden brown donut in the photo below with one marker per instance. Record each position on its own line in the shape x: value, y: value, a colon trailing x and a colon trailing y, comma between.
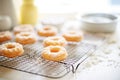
x: 23, y: 28
x: 73, y: 36
x: 55, y: 41
x: 26, y: 38
x: 11, y: 49
x: 47, y: 31
x: 54, y: 53
x: 5, y: 36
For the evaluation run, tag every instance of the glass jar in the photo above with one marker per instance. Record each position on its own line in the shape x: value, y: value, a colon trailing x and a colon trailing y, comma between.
x: 28, y: 13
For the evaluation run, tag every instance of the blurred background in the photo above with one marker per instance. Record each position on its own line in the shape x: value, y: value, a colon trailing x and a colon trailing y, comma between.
x: 71, y: 8
x: 74, y: 6
x: 68, y: 9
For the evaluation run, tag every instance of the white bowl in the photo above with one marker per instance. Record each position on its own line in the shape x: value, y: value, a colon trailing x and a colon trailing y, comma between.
x: 99, y: 22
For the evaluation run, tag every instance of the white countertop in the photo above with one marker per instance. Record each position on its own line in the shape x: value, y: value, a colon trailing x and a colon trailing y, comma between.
x: 103, y: 65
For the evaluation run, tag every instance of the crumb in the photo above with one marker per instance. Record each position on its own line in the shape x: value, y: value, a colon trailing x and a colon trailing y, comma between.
x: 100, y: 60
x: 88, y: 65
x: 94, y: 62
x: 92, y: 55
x: 110, y: 60
x: 107, y: 51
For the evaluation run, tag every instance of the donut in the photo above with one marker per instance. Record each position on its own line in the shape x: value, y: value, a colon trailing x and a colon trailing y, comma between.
x: 23, y: 28
x: 47, y: 31
x: 73, y: 36
x: 54, y: 53
x: 5, y: 36
x: 55, y: 41
x: 11, y: 49
x: 25, y: 38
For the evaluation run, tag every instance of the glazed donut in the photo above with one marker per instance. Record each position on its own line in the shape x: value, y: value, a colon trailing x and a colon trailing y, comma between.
x: 54, y: 53
x: 5, y: 36
x: 11, y: 49
x: 73, y: 36
x: 23, y: 28
x: 55, y: 41
x: 47, y: 31
x: 26, y: 38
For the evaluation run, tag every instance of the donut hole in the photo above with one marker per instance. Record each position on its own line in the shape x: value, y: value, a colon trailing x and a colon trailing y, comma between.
x: 25, y: 35
x: 55, y: 39
x: 72, y: 32
x: 47, y: 28
x: 55, y: 49
x: 22, y: 28
x: 10, y: 46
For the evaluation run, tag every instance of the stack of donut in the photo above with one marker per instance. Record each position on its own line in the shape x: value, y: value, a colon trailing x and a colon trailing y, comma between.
x: 25, y: 34
x: 54, y: 45
x: 54, y: 49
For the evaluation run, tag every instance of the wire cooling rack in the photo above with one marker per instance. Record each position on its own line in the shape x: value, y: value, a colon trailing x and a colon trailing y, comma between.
x: 32, y: 62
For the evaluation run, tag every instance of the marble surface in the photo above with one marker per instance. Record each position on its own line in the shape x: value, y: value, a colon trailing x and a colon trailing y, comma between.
x: 104, y: 64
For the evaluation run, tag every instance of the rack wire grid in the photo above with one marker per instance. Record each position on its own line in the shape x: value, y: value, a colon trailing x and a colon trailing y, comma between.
x: 32, y: 62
